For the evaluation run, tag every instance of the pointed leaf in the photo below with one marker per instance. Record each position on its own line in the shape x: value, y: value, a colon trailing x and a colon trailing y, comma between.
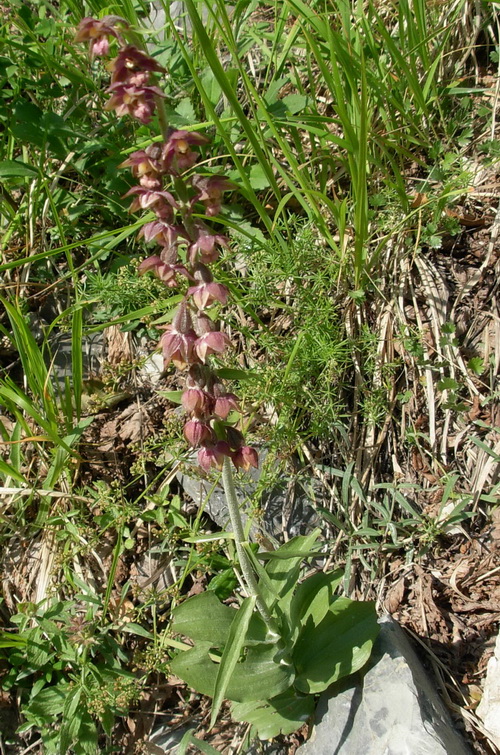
x: 231, y: 654
x: 313, y: 597
x: 283, y: 714
x: 262, y: 674
x: 284, y: 572
x: 9, y: 471
x: 337, y: 646
x: 203, y: 618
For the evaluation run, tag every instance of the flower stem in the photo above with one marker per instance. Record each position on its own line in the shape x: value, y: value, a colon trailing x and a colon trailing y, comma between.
x: 239, y: 536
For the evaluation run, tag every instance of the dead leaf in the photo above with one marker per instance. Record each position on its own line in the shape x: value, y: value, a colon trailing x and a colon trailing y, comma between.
x: 418, y: 200
x: 118, y: 345
x: 395, y: 596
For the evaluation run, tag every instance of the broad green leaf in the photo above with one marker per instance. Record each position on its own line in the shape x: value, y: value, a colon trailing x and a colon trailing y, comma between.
x: 8, y: 640
x: 231, y: 654
x: 38, y: 651
x: 190, y: 739
x: 87, y: 736
x: 174, y: 396
x: 337, y: 646
x: 261, y: 674
x: 196, y: 668
x: 203, y: 618
x: 211, y: 86
x: 107, y: 720
x: 223, y: 584
x: 258, y: 177
x: 285, y: 572
x: 190, y: 619
x: 49, y: 702
x: 71, y: 720
x: 313, y: 598
x: 227, y: 373
x: 283, y: 714
x: 16, y: 168
x: 134, y: 628
x: 295, y: 102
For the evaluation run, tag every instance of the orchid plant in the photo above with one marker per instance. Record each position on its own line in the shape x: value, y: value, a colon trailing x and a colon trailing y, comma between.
x: 287, y: 641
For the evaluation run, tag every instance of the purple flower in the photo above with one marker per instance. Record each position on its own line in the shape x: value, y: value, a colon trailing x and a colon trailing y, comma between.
x: 98, y: 32
x: 210, y: 341
x: 168, y: 236
x: 178, y: 347
x: 213, y: 456
x: 206, y: 293
x: 178, y: 341
x: 163, y: 270
x: 132, y: 66
x: 177, y: 153
x: 210, y: 192
x: 161, y: 202
x: 146, y: 165
x: 245, y: 457
x: 137, y: 101
x: 205, y: 244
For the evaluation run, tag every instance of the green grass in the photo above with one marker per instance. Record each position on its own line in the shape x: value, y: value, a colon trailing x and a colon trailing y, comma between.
x: 353, y: 133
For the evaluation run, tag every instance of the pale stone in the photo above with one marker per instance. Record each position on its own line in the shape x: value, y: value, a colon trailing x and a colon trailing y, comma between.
x: 488, y: 709
x: 390, y: 708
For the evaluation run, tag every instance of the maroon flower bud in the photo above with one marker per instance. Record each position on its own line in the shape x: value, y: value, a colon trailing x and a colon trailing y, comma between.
x: 179, y: 340
x: 177, y: 153
x: 213, y: 456
x: 197, y: 432
x: 226, y: 404
x: 245, y: 458
x: 196, y: 401
x: 200, y: 377
x: 210, y: 192
x: 98, y: 32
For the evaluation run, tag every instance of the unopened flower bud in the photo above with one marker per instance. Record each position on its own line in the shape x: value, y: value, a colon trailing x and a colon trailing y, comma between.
x: 197, y: 432
x: 245, y: 458
x: 196, y: 401
x: 225, y: 404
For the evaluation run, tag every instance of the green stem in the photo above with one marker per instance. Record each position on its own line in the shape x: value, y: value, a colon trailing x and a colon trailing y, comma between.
x: 239, y: 536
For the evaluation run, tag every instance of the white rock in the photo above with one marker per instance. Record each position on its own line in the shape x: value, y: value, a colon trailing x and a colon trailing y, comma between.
x: 389, y: 708
x: 488, y: 709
